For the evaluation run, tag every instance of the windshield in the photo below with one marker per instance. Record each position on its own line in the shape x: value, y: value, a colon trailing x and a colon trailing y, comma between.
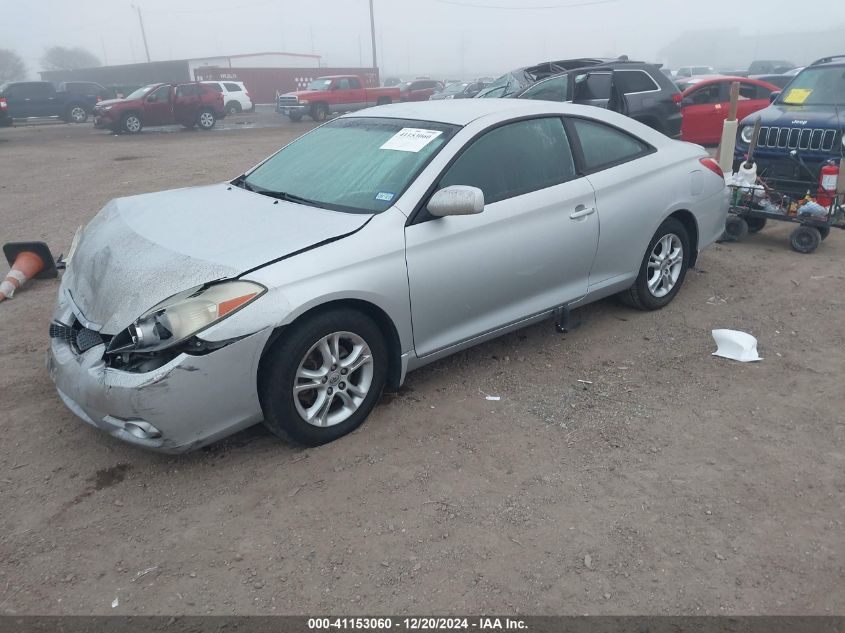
x: 454, y: 88
x: 358, y: 165
x: 140, y: 92
x: 320, y: 84
x: 816, y: 87
x: 502, y: 87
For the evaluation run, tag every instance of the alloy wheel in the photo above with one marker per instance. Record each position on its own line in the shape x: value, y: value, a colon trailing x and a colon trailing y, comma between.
x: 664, y: 265
x: 333, y: 379
x: 78, y: 114
x: 206, y: 119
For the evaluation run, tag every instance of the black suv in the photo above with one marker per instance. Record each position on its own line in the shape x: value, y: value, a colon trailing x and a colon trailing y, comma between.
x: 636, y: 89
x: 802, y: 129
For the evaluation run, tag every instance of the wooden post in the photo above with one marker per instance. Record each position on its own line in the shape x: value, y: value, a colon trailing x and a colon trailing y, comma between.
x: 727, y: 146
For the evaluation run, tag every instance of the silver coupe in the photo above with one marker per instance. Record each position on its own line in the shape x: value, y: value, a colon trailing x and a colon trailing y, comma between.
x: 376, y: 243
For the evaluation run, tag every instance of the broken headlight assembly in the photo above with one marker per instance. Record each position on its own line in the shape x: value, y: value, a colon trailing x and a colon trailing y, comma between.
x: 161, y: 333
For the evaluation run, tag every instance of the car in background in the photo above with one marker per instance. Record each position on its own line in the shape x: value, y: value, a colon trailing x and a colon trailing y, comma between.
x: 333, y: 94
x: 769, y: 67
x: 459, y: 90
x: 517, y: 80
x: 779, y: 80
x: 636, y: 89
x: 685, y: 72
x: 189, y: 104
x: 236, y: 97
x: 93, y: 91
x: 294, y: 293
x: 419, y: 89
x: 802, y: 129
x: 5, y: 119
x: 40, y: 100
x: 390, y: 82
x: 688, y: 82
x: 705, y: 106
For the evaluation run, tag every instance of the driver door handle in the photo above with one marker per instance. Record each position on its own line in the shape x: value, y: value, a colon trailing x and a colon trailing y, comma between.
x: 581, y: 212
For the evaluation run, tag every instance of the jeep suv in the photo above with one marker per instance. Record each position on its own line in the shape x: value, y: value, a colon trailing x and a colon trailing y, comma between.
x: 636, y: 89
x: 802, y: 129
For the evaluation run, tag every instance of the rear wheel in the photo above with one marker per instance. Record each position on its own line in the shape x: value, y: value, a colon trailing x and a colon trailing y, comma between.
x: 206, y: 120
x: 322, y: 378
x: 233, y: 107
x: 76, y: 114
x: 383, y: 101
x: 663, y: 268
x: 131, y: 123
x: 805, y: 239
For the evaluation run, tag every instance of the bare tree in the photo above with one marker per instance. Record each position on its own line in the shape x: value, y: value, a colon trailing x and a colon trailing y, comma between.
x: 63, y: 58
x: 12, y: 67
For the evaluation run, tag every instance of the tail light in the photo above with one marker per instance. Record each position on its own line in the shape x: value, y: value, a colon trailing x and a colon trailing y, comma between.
x: 828, y: 180
x: 713, y: 166
x: 99, y: 98
x: 3, y: 104
x: 677, y: 97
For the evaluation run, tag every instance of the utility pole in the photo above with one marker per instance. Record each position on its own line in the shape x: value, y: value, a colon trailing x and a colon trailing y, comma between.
x: 373, y: 34
x: 143, y: 33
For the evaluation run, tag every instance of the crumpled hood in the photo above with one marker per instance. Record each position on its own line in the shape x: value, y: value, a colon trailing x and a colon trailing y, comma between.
x: 143, y: 249
x: 109, y: 102
x: 778, y: 115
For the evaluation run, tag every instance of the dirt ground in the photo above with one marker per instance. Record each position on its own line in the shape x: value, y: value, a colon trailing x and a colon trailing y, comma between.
x: 673, y: 482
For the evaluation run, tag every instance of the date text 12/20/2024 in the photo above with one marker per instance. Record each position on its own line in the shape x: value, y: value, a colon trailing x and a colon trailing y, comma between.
x: 418, y: 624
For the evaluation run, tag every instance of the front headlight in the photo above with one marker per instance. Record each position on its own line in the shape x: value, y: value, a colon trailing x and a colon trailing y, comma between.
x: 303, y: 101
x: 104, y: 108
x: 184, y: 315
x: 746, y: 133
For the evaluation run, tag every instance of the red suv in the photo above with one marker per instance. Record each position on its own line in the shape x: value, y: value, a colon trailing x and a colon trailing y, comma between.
x: 189, y: 104
x: 419, y: 89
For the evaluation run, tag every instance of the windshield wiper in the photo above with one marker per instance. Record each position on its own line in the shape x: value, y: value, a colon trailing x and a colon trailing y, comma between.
x: 288, y: 197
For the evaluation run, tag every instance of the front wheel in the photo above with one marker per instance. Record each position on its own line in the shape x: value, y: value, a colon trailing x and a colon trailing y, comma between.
x: 663, y: 268
x: 319, y: 112
x: 131, y: 123
x: 805, y: 239
x: 296, y: 118
x: 206, y: 120
x: 322, y: 378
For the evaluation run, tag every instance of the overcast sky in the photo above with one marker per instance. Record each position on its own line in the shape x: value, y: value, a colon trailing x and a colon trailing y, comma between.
x: 436, y: 37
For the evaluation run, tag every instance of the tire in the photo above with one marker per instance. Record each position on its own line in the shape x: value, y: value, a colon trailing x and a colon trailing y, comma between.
x: 824, y: 231
x: 319, y: 112
x: 233, y: 107
x: 736, y: 229
x: 76, y: 114
x: 755, y: 225
x: 131, y: 123
x: 296, y: 352
x: 805, y: 239
x: 296, y: 118
x: 206, y: 119
x: 670, y: 276
x: 383, y: 101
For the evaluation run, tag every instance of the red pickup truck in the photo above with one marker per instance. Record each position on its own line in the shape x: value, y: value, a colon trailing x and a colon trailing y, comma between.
x: 335, y: 93
x: 190, y: 104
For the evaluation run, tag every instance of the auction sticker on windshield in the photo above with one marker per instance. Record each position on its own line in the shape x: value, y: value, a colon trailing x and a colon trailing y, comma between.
x: 410, y: 139
x: 797, y: 96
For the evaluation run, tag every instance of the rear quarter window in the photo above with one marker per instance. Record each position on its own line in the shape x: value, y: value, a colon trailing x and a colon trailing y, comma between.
x: 604, y: 146
x: 632, y: 81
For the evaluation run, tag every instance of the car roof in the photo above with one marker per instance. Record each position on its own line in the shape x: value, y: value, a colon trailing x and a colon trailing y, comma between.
x: 464, y: 111
x: 718, y: 79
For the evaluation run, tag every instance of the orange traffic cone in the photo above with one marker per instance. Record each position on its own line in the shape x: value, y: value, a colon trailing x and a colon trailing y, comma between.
x: 28, y: 260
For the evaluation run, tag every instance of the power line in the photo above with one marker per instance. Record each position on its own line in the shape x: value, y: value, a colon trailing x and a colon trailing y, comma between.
x: 529, y: 8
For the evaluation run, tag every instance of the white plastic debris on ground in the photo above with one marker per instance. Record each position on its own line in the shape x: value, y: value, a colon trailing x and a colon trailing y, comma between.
x: 736, y: 345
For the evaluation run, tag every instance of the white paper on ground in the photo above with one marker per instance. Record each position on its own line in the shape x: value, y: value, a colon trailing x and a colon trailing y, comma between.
x: 410, y: 139
x: 735, y: 345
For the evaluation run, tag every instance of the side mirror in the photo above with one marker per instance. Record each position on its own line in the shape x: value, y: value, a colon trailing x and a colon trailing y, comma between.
x: 456, y: 200
x: 774, y: 96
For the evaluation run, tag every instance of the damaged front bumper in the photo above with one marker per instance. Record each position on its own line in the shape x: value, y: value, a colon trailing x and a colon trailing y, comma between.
x: 189, y: 402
